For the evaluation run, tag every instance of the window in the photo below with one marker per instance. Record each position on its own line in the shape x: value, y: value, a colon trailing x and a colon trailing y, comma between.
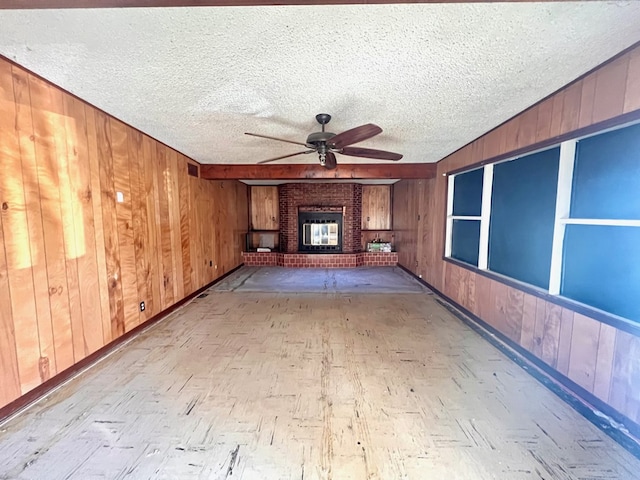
x: 523, y: 207
x: 465, y: 216
x: 566, y: 220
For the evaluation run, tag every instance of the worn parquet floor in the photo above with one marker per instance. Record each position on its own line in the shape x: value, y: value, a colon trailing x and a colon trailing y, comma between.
x: 257, y: 383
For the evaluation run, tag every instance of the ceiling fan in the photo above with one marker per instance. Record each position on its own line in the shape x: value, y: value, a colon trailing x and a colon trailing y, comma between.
x: 327, y: 144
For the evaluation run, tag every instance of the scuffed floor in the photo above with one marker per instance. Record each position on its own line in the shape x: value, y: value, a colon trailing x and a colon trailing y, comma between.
x: 256, y: 382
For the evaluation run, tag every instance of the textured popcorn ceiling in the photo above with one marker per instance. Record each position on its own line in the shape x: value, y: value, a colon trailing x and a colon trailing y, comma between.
x: 433, y: 76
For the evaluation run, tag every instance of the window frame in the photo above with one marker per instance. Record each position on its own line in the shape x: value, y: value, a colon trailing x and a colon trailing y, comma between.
x: 568, y: 151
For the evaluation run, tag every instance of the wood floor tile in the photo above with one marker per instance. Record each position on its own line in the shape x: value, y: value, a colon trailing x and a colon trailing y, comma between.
x: 267, y: 385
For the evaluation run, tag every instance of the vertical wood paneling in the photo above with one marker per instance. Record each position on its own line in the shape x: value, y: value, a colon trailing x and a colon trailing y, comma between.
x: 527, y: 127
x: 16, y: 245
x: 625, y: 385
x: 577, y: 346
x: 632, y: 88
x: 88, y: 339
x: 376, y: 207
x: 74, y: 262
x: 164, y: 226
x: 564, y: 344
x: 584, y: 351
x: 545, y: 118
x: 183, y: 185
x: 8, y: 355
x: 551, y: 334
x: 124, y: 218
x: 70, y: 209
x: 44, y: 101
x: 104, y: 287
x: 152, y: 250
x: 586, y: 100
x: 604, y: 362
x: 139, y: 219
x: 24, y: 130
x: 173, y: 160
x: 555, y: 127
x: 264, y: 208
x: 571, y: 107
x: 610, y: 90
x: 110, y: 225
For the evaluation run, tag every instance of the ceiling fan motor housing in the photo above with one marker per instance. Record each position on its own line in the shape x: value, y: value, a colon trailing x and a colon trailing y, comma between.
x: 319, y: 138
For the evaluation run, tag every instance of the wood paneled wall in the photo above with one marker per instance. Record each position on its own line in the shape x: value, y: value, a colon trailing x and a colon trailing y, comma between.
x: 600, y: 358
x: 74, y: 262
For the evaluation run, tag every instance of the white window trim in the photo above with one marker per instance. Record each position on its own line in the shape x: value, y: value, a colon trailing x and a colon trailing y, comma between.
x: 563, y: 208
x: 485, y: 217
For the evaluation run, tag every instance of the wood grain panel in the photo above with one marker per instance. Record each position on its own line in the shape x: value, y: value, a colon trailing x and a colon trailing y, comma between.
x: 13, y: 211
x: 545, y: 118
x: 152, y: 250
x: 164, y: 226
x: 625, y: 385
x: 564, y: 343
x: 604, y: 362
x: 173, y: 188
x: 70, y: 209
x: 584, y: 351
x: 632, y: 88
x: 183, y: 188
x: 555, y: 127
x: 110, y: 226
x: 571, y: 107
x: 527, y: 127
x: 91, y: 338
x: 139, y: 219
x: 610, y: 90
x: 586, y: 101
x: 97, y: 195
x: 8, y: 356
x: 24, y: 130
x: 44, y: 102
x: 376, y: 207
x: 551, y: 333
x: 264, y: 208
x: 73, y: 261
x: 527, y: 334
x: 511, y: 134
x: 315, y: 171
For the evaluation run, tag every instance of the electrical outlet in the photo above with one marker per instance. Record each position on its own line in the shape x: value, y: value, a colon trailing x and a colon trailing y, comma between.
x: 142, y: 307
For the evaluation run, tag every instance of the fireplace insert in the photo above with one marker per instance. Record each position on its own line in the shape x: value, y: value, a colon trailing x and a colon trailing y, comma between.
x: 319, y: 232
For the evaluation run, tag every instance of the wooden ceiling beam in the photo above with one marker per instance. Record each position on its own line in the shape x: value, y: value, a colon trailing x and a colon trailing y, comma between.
x: 35, y: 4
x: 359, y: 171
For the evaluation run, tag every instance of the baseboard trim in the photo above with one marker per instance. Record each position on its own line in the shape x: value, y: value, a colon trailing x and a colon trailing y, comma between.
x: 616, y: 425
x: 31, y: 397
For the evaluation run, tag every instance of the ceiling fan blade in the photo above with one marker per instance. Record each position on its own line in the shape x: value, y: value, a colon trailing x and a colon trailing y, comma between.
x: 355, y: 135
x: 330, y: 161
x: 370, y: 153
x: 274, y: 138
x: 285, y: 156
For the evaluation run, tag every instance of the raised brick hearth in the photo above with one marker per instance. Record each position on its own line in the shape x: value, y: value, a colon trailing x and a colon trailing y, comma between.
x: 312, y: 260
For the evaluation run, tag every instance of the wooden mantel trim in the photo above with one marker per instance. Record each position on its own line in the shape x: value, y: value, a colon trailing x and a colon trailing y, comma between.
x: 305, y: 171
x: 34, y: 4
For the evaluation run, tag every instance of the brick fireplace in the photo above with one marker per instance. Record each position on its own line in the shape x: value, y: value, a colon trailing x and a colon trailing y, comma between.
x: 320, y: 197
